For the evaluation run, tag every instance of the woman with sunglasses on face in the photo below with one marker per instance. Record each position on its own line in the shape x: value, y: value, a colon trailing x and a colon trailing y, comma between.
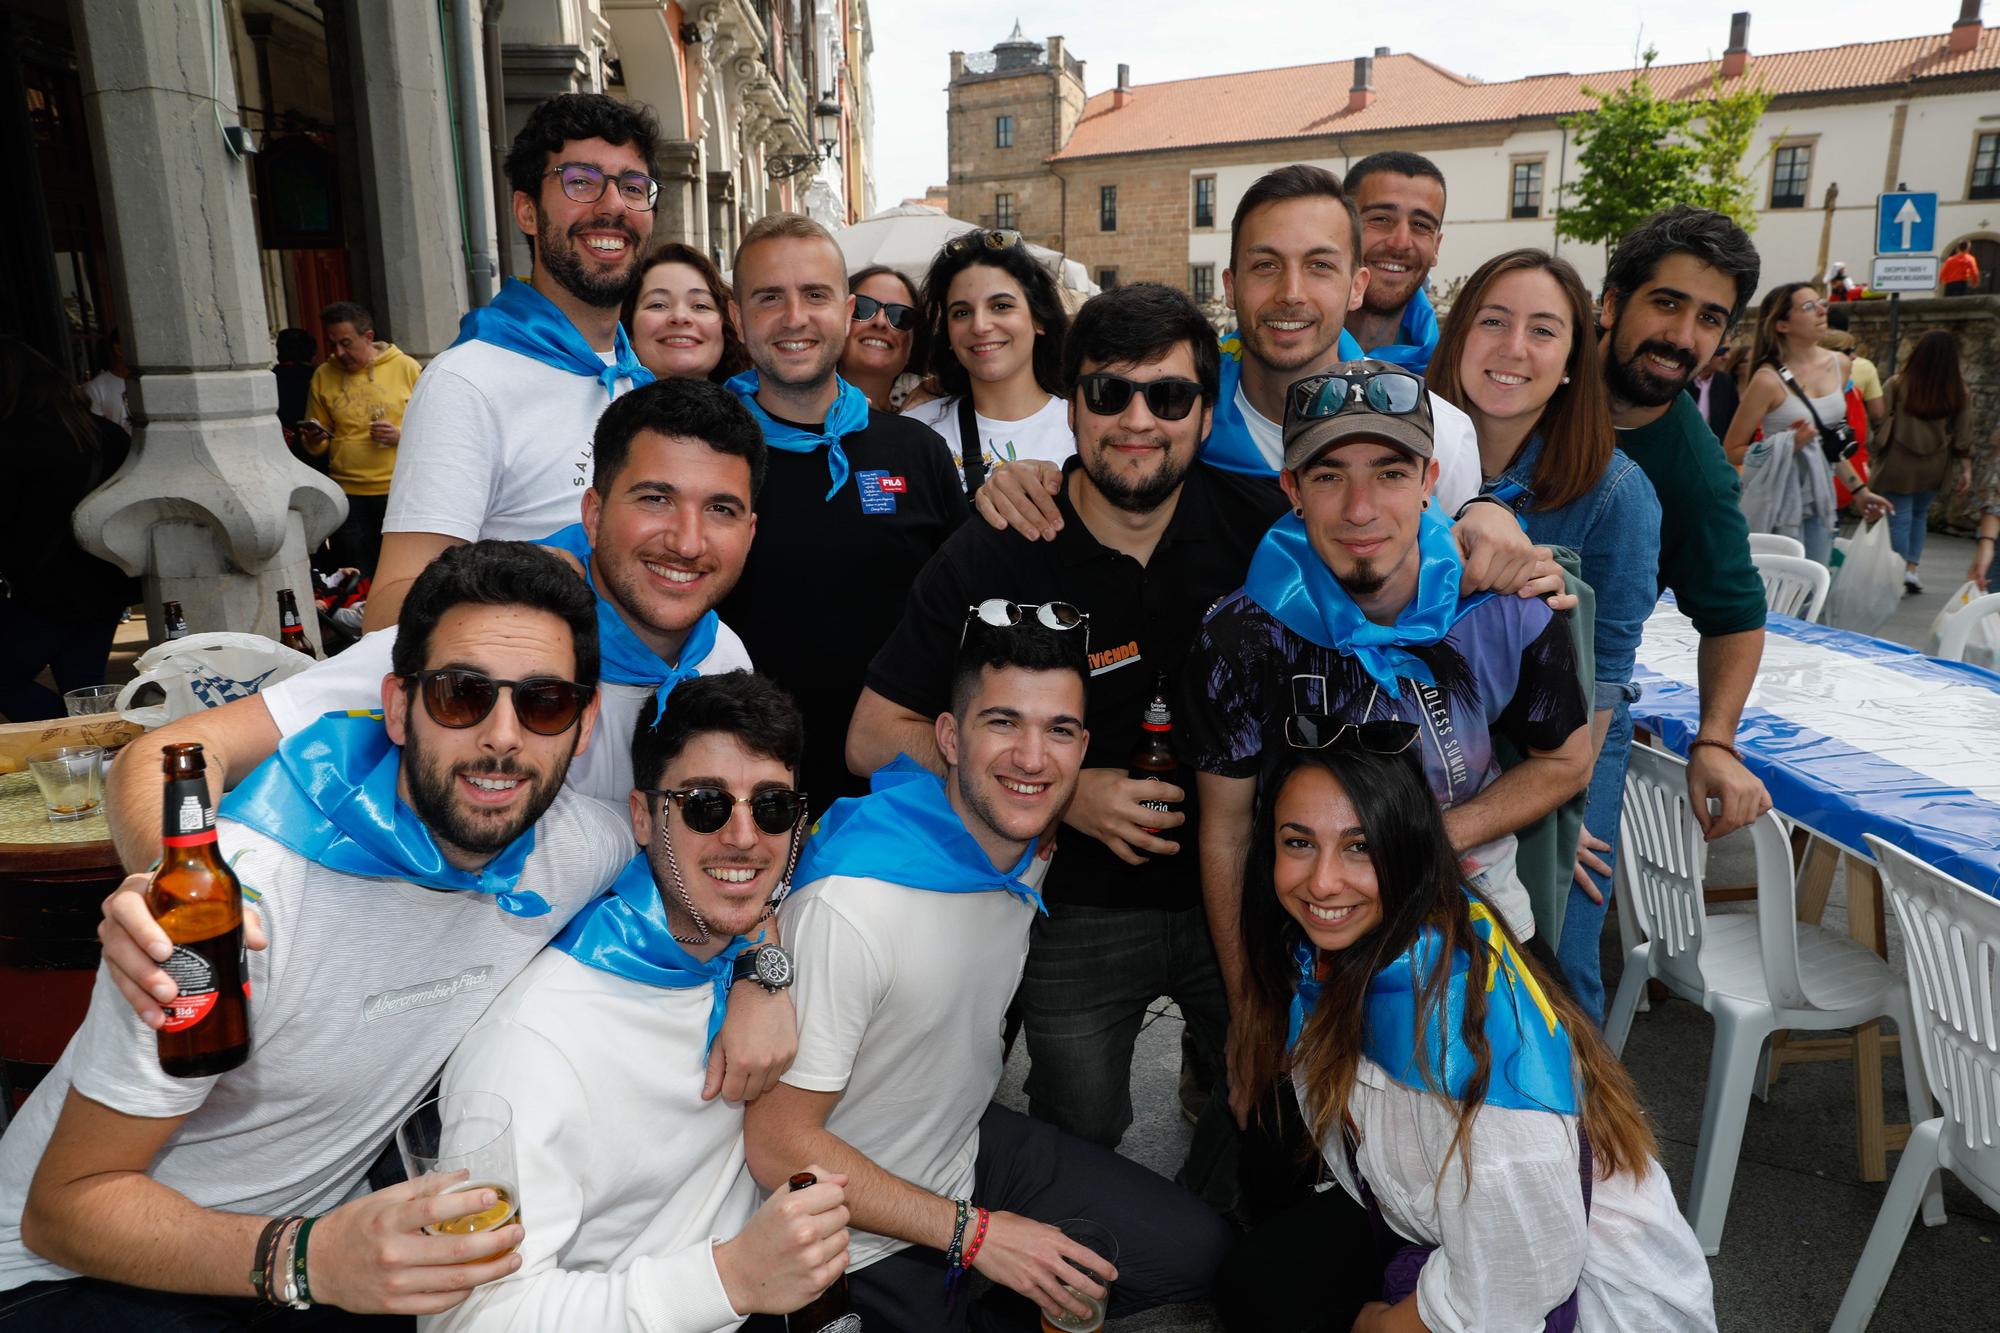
x: 994, y: 322
x: 1517, y: 356
x: 1455, y: 1092
x: 678, y: 318
x: 881, y: 337
x: 1797, y: 397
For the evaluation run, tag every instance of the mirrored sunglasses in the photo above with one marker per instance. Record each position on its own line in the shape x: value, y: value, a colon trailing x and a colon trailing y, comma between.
x: 1392, y: 393
x: 707, y: 809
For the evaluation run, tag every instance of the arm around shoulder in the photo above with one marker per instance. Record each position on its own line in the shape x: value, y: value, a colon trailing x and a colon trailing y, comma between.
x: 235, y: 738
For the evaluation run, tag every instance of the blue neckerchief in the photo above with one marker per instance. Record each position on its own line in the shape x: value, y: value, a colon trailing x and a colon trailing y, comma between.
x: 522, y: 320
x: 1531, y: 1065
x: 1288, y: 579
x: 1229, y: 445
x: 848, y: 415
x: 905, y: 832
x: 329, y: 794
x: 1419, y: 332
x: 624, y: 932
x: 623, y: 658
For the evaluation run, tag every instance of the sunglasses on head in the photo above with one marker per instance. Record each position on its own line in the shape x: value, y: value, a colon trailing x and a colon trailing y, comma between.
x: 999, y: 613
x: 707, y: 809
x: 899, y: 316
x: 981, y: 238
x: 458, y: 697
x: 1110, y: 395
x: 1393, y: 393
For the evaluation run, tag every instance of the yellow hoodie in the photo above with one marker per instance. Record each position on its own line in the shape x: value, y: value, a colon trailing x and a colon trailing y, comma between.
x: 348, y: 405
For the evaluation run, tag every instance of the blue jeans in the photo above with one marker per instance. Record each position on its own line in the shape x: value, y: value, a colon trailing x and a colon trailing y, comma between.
x: 1908, y: 518
x: 1580, y: 951
x: 1815, y: 534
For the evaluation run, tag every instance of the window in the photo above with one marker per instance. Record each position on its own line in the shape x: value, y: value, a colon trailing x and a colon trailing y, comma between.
x: 1107, y: 208
x: 1204, y: 201
x: 1003, y: 210
x: 1985, y: 182
x: 1527, y: 194
x: 1201, y: 282
x: 1003, y: 132
x: 1789, y: 170
x: 1107, y: 278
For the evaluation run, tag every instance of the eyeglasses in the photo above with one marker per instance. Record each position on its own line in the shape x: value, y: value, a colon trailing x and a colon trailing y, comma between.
x: 981, y: 238
x: 458, y: 698
x: 1808, y: 307
x: 899, y: 316
x: 584, y: 184
x: 1109, y: 395
x: 707, y: 809
x: 1393, y: 393
x: 999, y: 613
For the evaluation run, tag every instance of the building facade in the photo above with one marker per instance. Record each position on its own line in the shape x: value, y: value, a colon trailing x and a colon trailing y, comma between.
x: 1141, y: 182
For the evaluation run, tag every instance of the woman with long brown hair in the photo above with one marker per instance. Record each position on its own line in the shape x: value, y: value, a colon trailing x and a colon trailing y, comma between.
x: 1930, y: 429
x: 1455, y: 1091
x: 677, y: 317
x: 1518, y: 356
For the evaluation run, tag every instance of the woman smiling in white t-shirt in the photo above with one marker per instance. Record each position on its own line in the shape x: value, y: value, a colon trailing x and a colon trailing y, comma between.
x: 995, y: 323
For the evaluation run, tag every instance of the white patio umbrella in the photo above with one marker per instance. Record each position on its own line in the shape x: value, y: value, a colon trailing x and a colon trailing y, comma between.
x: 908, y: 237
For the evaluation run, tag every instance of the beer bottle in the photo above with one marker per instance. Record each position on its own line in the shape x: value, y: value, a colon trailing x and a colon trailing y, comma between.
x: 175, y: 622
x: 292, y: 630
x: 1153, y: 758
x: 199, y: 904
x: 827, y: 1312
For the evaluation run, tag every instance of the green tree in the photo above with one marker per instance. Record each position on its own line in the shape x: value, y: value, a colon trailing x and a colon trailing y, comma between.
x: 1638, y: 152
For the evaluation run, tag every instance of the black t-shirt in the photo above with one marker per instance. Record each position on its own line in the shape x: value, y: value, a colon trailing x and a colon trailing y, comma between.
x: 1142, y: 620
x: 825, y: 579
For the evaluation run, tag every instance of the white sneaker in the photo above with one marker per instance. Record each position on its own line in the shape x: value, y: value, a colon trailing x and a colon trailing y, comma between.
x: 1911, y: 583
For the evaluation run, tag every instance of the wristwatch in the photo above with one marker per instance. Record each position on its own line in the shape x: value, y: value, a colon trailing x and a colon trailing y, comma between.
x: 767, y: 965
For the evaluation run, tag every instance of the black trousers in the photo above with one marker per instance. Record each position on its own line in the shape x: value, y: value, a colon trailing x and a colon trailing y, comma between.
x: 90, y: 1305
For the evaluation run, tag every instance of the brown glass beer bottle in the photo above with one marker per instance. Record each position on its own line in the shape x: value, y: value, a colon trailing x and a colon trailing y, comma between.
x: 173, y: 621
x: 829, y: 1311
x: 1153, y: 757
x: 197, y: 900
x: 292, y: 630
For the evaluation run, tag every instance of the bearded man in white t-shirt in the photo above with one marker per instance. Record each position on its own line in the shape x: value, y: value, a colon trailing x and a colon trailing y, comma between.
x: 408, y: 865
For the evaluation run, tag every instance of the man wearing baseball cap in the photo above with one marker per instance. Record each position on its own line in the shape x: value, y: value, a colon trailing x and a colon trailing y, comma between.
x: 1349, y: 630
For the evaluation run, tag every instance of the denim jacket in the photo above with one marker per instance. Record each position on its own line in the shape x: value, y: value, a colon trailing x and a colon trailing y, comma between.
x: 1615, y: 528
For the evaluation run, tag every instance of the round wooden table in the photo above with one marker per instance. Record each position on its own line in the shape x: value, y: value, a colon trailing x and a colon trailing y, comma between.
x: 53, y: 878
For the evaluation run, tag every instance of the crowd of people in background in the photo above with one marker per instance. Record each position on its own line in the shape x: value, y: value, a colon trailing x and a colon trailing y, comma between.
x: 755, y: 665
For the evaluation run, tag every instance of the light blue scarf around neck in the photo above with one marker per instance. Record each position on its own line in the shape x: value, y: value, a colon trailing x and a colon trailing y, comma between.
x: 522, y: 320
x: 847, y: 416
x: 1229, y: 445
x: 1419, y: 332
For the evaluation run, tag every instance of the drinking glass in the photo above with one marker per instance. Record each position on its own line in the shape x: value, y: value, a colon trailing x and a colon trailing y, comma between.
x: 1091, y: 1236
x: 91, y: 699
x: 471, y: 1132
x: 71, y: 778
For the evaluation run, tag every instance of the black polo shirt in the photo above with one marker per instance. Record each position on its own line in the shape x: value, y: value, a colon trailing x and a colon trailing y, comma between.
x: 823, y: 584
x: 1143, y: 618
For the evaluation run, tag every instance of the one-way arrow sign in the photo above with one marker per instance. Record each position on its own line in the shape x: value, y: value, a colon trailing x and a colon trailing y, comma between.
x: 1905, y: 223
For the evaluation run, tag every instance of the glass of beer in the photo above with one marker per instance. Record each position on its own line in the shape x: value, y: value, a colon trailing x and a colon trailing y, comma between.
x: 1091, y: 1236
x: 471, y: 1132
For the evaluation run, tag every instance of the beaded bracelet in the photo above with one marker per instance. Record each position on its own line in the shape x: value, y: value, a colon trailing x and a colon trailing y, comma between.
x: 954, y: 1255
x: 978, y: 1239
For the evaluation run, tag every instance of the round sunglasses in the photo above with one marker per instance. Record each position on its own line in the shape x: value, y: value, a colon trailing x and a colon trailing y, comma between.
x: 707, y: 809
x: 899, y: 316
x: 458, y: 697
x: 1109, y: 395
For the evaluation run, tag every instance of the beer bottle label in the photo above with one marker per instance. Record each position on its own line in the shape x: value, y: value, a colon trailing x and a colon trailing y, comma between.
x: 190, y: 817
x: 196, y: 979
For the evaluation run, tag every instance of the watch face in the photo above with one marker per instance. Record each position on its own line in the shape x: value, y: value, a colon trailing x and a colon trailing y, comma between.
x: 774, y: 967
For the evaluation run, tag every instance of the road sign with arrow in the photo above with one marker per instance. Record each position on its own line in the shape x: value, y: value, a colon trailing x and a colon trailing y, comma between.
x: 1906, y: 223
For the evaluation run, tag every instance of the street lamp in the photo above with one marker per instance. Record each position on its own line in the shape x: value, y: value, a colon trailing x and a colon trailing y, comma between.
x: 826, y: 130
x: 826, y: 116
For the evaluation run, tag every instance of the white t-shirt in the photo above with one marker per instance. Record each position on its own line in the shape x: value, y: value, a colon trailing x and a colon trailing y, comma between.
x: 353, y: 680
x: 1454, y: 442
x: 626, y: 1174
x: 900, y: 997
x: 1513, y: 1246
x: 1045, y: 435
x: 106, y: 393
x: 495, y: 444
x: 366, y: 988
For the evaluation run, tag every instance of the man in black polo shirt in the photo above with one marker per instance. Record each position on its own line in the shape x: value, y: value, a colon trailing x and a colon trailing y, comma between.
x: 855, y: 501
x: 1148, y: 542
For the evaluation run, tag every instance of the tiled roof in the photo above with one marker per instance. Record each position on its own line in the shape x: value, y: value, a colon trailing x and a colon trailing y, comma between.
x: 1305, y: 101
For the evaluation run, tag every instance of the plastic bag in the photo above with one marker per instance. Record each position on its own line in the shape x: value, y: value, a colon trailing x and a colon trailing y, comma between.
x: 1869, y: 583
x: 206, y: 671
x: 1982, y: 648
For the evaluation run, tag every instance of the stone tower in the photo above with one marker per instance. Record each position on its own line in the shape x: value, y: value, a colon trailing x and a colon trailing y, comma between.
x: 1010, y: 109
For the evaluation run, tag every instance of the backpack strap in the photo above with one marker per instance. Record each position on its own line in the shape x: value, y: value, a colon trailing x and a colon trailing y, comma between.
x: 971, y: 451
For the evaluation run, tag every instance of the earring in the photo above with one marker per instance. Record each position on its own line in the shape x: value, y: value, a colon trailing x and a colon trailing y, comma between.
x: 1565, y: 379
x: 1298, y: 511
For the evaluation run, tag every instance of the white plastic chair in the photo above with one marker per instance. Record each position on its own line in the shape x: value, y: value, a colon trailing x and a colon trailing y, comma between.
x: 1770, y: 543
x: 1755, y: 973
x: 1956, y: 632
x: 1793, y: 585
x: 1951, y: 948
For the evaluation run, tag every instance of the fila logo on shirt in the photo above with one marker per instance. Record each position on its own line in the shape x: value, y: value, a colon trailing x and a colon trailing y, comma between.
x: 878, y: 490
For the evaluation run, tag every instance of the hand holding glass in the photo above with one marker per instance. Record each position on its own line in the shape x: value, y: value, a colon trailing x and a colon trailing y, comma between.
x: 1092, y: 1237
x: 471, y: 1132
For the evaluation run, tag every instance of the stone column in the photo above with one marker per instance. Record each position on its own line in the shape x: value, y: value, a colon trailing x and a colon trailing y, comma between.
x: 211, y: 508
x: 682, y: 192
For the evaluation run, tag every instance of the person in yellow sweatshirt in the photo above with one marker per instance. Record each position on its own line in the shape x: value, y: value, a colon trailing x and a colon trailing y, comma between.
x: 354, y: 413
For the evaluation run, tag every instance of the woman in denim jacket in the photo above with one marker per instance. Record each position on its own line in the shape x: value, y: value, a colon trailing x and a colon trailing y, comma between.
x: 1517, y: 355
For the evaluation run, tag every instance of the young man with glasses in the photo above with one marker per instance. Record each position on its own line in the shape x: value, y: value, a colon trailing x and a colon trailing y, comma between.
x: 631, y: 1175
x: 408, y: 865
x: 496, y: 440
x: 1351, y: 613
x: 1149, y: 542
x: 911, y: 922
